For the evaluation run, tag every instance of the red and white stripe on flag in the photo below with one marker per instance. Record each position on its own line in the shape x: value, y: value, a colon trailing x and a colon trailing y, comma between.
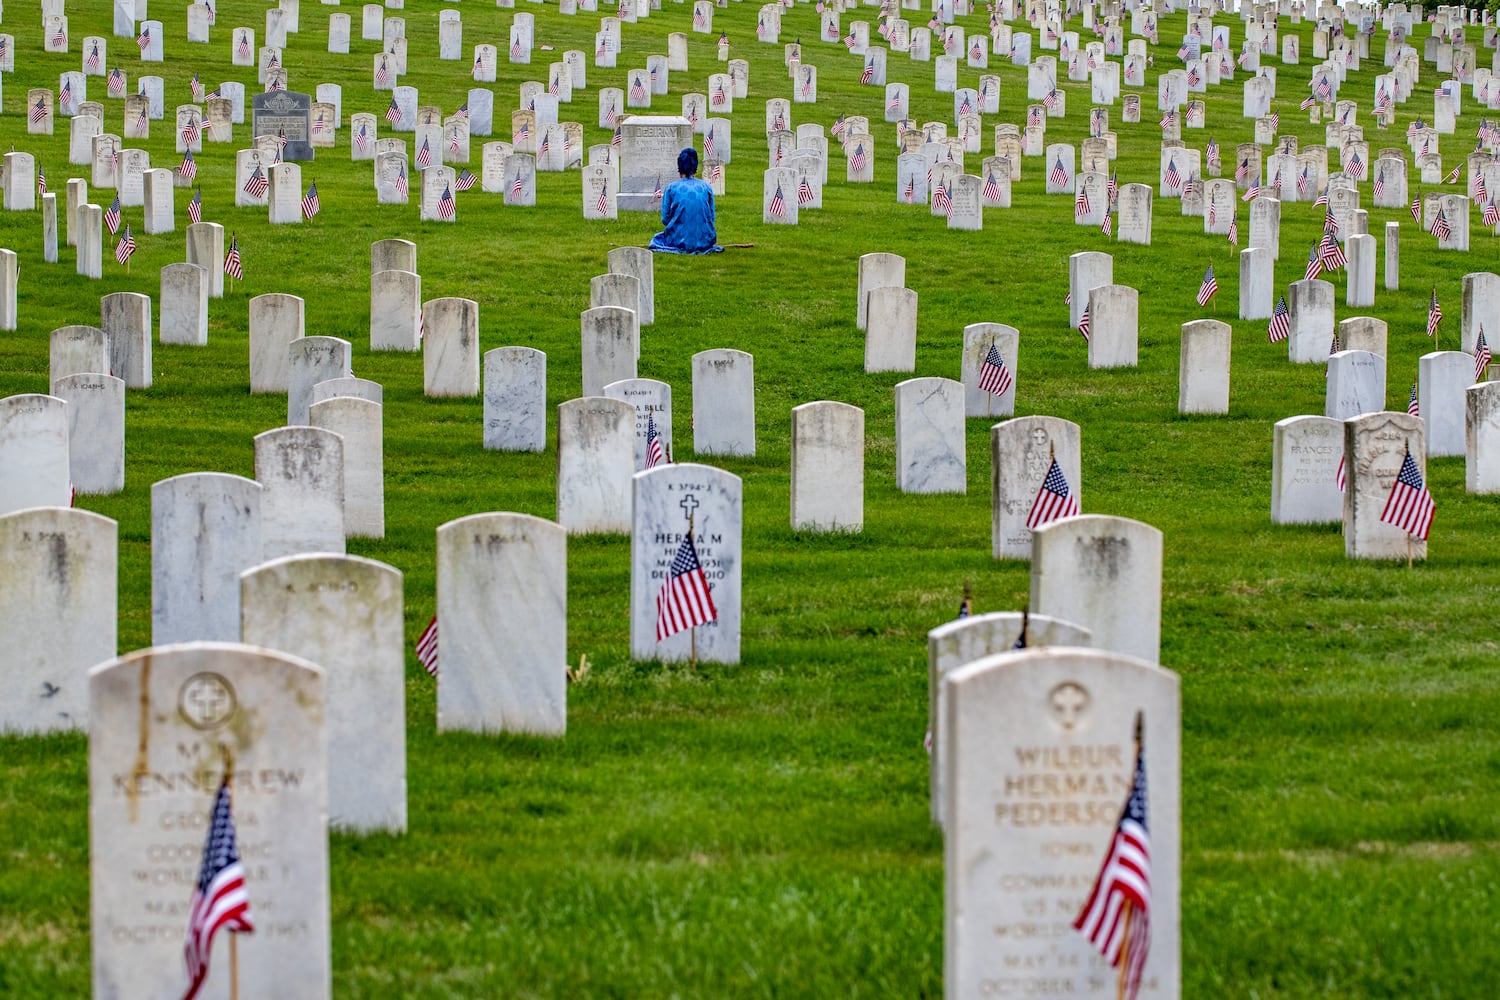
x: 684, y: 600
x: 427, y: 647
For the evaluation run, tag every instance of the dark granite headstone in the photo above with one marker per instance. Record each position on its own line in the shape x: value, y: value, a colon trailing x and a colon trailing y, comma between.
x: 279, y: 110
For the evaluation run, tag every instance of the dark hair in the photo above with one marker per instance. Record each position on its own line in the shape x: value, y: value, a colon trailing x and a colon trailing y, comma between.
x: 687, y: 162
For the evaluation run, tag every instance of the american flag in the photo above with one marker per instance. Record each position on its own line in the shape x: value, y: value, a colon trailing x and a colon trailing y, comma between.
x: 656, y: 194
x: 281, y: 138
x: 618, y: 136
x: 524, y: 133
x: 125, y: 249
x: 1243, y: 170
x: 112, y: 216
x: 1379, y: 184
x: 1081, y: 203
x: 1491, y: 213
x: 1059, y: 175
x: 1478, y: 189
x: 1209, y: 288
x: 804, y: 191
x: 427, y: 647
x: 1453, y: 177
x: 189, y: 168
x: 401, y: 187
x: 684, y: 599
x: 143, y: 39
x: 191, y: 129
x: 1173, y: 178
x: 1275, y: 119
x: 994, y: 377
x: 1213, y: 212
x: 868, y: 74
x: 1252, y: 192
x: 1416, y: 207
x: 60, y: 38
x: 1107, y: 227
x: 1355, y: 167
x: 778, y: 124
x: 991, y: 187
x: 1341, y: 477
x: 310, y: 204
x: 39, y: 110
x: 655, y: 453
x: 1481, y: 357
x: 1033, y: 116
x: 92, y: 62
x: 195, y: 207
x: 1212, y: 153
x: 393, y: 112
x: 911, y: 188
x: 1434, y: 315
x: 1051, y: 99
x: 465, y: 180
x: 362, y: 138
x: 65, y: 97
x: 1124, y: 887
x: 715, y: 171
x: 141, y: 125
x: 195, y: 85
x: 833, y: 31
x: 1411, y: 403
x: 637, y: 89
x: 1314, y: 263
x: 1193, y: 77
x: 232, y: 265
x: 446, y: 205
x: 1440, y: 227
x: 1330, y: 224
x: 243, y: 48
x: 941, y: 199
x: 850, y: 41
x: 602, y: 205
x: 116, y: 83
x: 1234, y: 231
x: 318, y: 125
x: 1054, y: 500
x: 219, y: 899
x: 857, y: 161
x: 554, y: 87
x: 778, y: 204
x: 708, y: 144
x: 256, y: 185
x: 1331, y: 253
x: 1322, y: 198
x: 478, y: 65
x: 1409, y: 506
x: 838, y: 128
x: 719, y: 98
x: 424, y: 155
x: 1281, y: 323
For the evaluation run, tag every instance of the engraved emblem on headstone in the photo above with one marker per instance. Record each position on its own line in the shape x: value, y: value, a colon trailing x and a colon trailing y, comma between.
x: 206, y: 701
x: 1069, y: 703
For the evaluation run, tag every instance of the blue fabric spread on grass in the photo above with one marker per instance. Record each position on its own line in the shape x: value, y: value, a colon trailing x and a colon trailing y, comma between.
x: 687, y: 210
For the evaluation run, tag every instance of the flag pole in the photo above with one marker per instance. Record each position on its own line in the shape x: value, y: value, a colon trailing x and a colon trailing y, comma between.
x: 692, y: 632
x: 234, y: 938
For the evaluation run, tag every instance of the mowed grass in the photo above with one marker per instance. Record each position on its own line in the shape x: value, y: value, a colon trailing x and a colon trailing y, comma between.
x: 762, y: 829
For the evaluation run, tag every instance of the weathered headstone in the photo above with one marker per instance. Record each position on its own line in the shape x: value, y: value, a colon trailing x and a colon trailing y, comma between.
x: 126, y: 318
x: 515, y: 399
x: 57, y: 612
x: 1310, y: 314
x: 877, y: 270
x: 1442, y: 378
x: 828, y: 467
x: 665, y: 501
x: 1203, y: 367
x: 96, y: 431
x: 1021, y: 452
x: 723, y: 403
x: 1375, y: 446
x: 450, y: 350
x: 1114, y: 319
x: 595, y: 460
x: 1105, y: 574
x: 1305, y: 457
x: 1039, y: 759
x: 1356, y: 384
x: 302, y: 504
x: 1482, y: 438
x: 502, y: 625
x: 343, y: 613
x: 611, y: 344
x: 930, y: 455
x: 167, y: 725
x: 34, y: 465
x: 276, y: 319
x: 891, y: 330
x: 76, y: 350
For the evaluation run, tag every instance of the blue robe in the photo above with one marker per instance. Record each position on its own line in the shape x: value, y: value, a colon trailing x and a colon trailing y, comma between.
x: 687, y: 210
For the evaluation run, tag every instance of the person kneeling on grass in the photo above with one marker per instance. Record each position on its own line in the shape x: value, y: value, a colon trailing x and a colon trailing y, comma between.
x: 687, y: 210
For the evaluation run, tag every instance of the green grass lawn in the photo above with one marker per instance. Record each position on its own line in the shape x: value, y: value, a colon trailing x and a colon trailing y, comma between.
x: 762, y: 829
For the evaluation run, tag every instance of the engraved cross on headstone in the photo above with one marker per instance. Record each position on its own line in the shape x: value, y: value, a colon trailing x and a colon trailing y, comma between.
x: 689, y: 504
